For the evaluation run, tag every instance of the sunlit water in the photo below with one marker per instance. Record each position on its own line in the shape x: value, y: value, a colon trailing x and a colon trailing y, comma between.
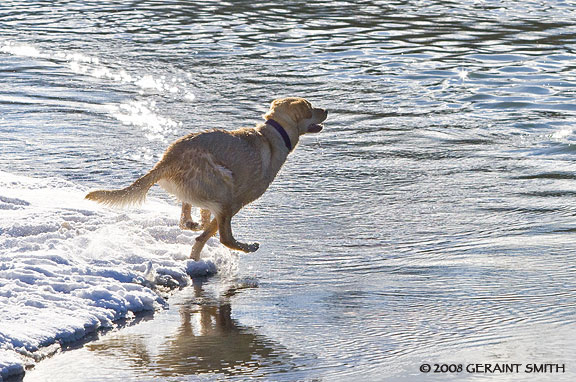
x: 433, y: 220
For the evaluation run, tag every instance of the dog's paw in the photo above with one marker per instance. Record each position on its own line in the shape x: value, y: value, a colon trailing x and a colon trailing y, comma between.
x: 252, y: 247
x: 190, y: 225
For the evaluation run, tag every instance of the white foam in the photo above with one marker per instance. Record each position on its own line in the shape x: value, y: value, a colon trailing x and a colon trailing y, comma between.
x: 563, y: 133
x: 21, y: 50
x: 149, y: 82
x: 143, y: 114
x: 69, y: 266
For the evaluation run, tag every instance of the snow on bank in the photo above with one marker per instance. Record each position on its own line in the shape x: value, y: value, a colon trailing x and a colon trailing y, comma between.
x: 69, y: 266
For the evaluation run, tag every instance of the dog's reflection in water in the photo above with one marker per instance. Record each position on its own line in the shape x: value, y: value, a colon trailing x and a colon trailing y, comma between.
x: 208, y: 340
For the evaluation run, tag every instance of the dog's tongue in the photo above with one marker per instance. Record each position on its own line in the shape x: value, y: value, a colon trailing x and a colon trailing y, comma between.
x: 314, y: 128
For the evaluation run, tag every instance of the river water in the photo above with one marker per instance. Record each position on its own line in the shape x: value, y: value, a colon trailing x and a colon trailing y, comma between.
x: 432, y: 221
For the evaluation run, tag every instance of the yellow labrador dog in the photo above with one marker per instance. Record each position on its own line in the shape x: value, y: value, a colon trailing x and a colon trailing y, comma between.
x: 222, y: 171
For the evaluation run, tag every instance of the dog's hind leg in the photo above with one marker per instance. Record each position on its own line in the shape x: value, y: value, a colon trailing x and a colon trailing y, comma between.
x: 186, y: 221
x: 206, y: 214
x: 226, y: 237
x: 210, y: 230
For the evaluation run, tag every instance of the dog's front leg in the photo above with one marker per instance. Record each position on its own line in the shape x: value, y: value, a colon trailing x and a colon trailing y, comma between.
x: 210, y: 230
x: 226, y: 237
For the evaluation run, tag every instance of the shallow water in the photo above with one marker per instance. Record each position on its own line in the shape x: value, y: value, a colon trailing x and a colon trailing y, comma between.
x: 431, y: 221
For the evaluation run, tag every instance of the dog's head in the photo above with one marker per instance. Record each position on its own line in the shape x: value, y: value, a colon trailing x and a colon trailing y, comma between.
x: 297, y: 113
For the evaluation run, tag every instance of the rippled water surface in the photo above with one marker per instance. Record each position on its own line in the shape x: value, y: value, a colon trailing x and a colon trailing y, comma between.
x: 433, y: 220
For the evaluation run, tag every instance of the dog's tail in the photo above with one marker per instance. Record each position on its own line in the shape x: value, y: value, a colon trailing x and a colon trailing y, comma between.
x: 133, y: 194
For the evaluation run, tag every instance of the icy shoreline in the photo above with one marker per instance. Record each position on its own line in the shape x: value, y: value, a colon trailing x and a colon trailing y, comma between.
x: 69, y: 267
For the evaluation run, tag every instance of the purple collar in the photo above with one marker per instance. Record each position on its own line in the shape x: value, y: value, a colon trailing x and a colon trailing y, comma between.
x: 282, y: 132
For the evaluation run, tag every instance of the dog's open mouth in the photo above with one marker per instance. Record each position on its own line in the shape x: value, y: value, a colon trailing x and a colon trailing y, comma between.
x: 315, y: 128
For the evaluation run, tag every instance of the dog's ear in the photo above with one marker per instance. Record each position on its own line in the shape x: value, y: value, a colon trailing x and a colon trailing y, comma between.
x: 304, y: 109
x: 273, y: 106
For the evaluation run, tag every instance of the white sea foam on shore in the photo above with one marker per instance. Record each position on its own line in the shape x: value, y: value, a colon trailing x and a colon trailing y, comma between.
x: 69, y: 267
